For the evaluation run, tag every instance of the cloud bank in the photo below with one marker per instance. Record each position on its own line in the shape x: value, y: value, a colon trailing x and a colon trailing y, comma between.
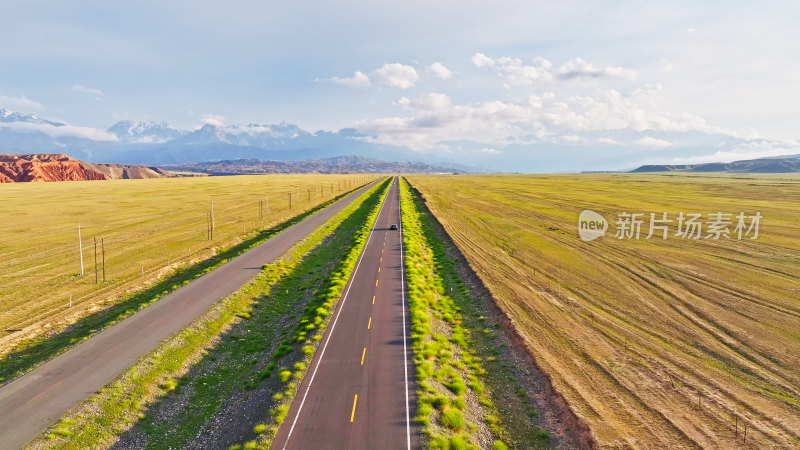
x: 395, y: 75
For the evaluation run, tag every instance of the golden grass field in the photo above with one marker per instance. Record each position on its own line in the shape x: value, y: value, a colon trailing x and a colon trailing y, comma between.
x: 654, y: 343
x: 148, y: 227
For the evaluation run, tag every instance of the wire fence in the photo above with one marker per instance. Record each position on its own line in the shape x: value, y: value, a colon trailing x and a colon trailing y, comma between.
x: 40, y: 269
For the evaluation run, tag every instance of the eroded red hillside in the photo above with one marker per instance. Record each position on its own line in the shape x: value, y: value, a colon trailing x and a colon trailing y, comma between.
x: 43, y: 168
x: 58, y: 167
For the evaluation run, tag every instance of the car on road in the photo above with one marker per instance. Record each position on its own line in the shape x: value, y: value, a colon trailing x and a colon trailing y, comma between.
x: 393, y: 226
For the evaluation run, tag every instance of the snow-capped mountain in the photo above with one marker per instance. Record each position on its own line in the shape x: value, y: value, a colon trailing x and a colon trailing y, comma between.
x: 139, y: 132
x: 150, y: 143
x: 8, y: 116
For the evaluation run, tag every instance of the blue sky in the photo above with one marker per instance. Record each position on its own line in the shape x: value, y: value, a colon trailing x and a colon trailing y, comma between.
x: 416, y: 73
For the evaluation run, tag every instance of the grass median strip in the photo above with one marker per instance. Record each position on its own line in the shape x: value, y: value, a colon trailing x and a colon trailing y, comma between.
x: 231, y: 352
x: 460, y: 373
x: 315, y: 318
x: 31, y: 353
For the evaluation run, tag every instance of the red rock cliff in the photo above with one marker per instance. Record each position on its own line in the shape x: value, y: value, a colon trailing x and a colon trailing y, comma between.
x: 44, y: 167
x: 55, y: 167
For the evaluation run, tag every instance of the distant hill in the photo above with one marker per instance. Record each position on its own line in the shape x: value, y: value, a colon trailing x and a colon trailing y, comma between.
x: 337, y: 164
x: 783, y: 164
x: 59, y: 167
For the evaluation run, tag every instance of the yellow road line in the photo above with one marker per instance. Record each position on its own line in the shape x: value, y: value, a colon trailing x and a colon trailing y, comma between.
x: 373, y: 299
x: 44, y: 391
x: 376, y: 282
x: 353, y: 413
x: 381, y: 258
x: 369, y: 324
x: 363, y: 354
x: 379, y: 269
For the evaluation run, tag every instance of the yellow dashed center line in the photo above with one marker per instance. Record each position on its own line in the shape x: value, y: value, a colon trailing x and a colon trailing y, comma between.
x: 353, y: 413
x: 376, y: 282
x: 363, y: 354
x: 369, y: 324
x: 373, y: 299
x: 379, y: 269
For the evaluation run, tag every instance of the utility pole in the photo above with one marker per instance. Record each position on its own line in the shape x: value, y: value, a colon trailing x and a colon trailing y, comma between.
x: 80, y: 247
x: 261, y: 210
x: 290, y: 200
x: 309, y: 195
x: 95, y: 260
x: 103, y: 247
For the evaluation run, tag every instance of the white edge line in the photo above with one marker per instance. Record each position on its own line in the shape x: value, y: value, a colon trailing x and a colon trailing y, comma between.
x: 333, y: 325
x: 403, y: 291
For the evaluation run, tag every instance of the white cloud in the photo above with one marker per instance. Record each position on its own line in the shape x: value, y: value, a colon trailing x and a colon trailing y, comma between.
x: 97, y: 93
x: 150, y: 140
x: 213, y: 119
x: 481, y: 60
x: 60, y: 131
x: 20, y: 103
x: 428, y: 102
x: 397, y: 75
x: 606, y: 140
x: 651, y: 142
x: 573, y: 139
x: 391, y: 74
x: 518, y: 73
x: 665, y: 65
x: 578, y: 69
x: 441, y: 71
x: 434, y: 117
x: 515, y: 71
x: 490, y: 150
x: 358, y: 80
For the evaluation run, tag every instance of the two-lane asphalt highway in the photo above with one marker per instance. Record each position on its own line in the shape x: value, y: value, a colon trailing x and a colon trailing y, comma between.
x: 359, y: 391
x: 36, y: 400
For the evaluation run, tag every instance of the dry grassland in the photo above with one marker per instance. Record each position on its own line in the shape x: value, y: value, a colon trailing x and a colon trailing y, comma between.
x: 655, y: 343
x: 148, y: 228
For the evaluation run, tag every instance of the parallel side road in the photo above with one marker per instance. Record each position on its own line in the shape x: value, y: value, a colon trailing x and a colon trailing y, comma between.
x: 359, y: 391
x: 38, y: 399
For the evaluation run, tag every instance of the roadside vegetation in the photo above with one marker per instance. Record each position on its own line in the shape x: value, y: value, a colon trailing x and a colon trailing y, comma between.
x: 250, y: 349
x: 147, y: 229
x: 466, y: 395
x: 291, y: 365
x: 27, y: 354
x: 653, y: 343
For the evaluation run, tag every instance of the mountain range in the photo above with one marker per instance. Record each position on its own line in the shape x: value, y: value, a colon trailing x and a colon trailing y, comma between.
x: 158, y: 144
x: 782, y: 164
x: 339, y: 164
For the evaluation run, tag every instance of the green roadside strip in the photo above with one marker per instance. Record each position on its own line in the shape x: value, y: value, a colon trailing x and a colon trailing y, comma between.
x: 31, y: 353
x: 461, y: 377
x: 237, y: 346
